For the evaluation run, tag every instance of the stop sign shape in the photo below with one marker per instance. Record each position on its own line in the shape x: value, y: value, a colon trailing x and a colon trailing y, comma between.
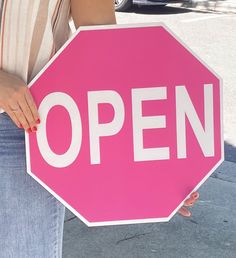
x: 131, y: 124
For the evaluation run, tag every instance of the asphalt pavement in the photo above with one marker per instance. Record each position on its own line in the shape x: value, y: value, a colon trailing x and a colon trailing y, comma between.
x: 211, y: 230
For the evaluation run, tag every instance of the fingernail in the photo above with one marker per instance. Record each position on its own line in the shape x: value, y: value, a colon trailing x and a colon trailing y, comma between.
x: 34, y: 129
x: 195, y: 196
x: 38, y: 121
x: 21, y: 126
x: 29, y: 130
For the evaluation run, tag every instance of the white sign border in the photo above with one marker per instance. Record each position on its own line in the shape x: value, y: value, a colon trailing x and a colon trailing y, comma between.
x: 135, y: 221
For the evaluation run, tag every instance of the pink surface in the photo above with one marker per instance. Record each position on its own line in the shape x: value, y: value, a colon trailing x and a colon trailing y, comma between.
x: 119, y: 188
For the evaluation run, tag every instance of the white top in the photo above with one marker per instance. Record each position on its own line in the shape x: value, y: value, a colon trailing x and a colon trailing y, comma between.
x: 31, y: 33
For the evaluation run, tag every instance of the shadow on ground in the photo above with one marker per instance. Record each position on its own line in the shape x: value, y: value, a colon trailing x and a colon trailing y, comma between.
x: 162, y: 10
x: 230, y: 152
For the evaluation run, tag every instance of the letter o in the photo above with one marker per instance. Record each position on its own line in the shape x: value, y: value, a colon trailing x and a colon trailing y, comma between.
x: 65, y: 159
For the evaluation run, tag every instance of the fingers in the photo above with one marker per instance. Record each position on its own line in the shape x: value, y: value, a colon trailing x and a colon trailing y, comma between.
x: 184, y: 212
x: 32, y: 105
x: 189, y: 202
x: 193, y: 198
x: 18, y: 117
x: 22, y: 117
x: 26, y: 113
x: 195, y: 195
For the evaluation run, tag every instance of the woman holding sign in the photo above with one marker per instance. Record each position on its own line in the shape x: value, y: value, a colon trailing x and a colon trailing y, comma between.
x: 31, y: 219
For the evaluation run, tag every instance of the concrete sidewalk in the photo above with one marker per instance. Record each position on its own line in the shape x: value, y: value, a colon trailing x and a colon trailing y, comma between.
x: 209, y: 233
x: 222, y: 6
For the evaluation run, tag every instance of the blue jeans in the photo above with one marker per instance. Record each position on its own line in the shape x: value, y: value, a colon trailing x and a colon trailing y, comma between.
x: 31, y: 219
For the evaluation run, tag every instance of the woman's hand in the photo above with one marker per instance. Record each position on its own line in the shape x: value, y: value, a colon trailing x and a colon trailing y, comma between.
x: 15, y: 94
x: 189, y: 202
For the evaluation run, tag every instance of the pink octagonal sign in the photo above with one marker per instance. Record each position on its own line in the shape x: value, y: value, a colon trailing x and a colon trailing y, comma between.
x: 131, y: 124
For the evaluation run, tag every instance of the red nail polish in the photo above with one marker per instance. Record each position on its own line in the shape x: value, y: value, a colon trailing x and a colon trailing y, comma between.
x: 21, y: 126
x: 195, y: 196
x: 34, y: 129
x: 38, y: 121
x: 29, y: 130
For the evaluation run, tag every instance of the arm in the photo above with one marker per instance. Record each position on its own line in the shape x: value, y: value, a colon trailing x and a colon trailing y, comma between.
x: 93, y: 12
